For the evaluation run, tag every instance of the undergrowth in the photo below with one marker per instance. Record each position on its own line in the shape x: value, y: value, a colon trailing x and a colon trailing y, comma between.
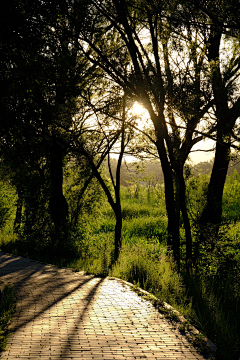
x: 7, y: 307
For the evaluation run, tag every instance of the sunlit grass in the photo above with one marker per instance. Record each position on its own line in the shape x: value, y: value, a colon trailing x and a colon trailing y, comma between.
x: 147, y: 265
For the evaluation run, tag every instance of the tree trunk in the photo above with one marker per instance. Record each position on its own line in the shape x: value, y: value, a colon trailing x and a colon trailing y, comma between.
x: 75, y: 215
x: 118, y: 209
x: 58, y: 204
x: 212, y: 213
x: 118, y: 233
x: 173, y: 241
x: 18, y: 217
x: 187, y: 227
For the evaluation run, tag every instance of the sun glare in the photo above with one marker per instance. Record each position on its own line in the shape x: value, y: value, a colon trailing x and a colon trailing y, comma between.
x: 137, y: 109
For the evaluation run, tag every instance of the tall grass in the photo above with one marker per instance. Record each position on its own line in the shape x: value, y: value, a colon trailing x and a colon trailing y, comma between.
x: 148, y: 266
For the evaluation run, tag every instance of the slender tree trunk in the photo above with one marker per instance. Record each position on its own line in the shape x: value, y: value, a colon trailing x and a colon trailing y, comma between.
x: 180, y: 201
x: 75, y: 216
x: 118, y: 233
x: 58, y: 204
x: 187, y: 227
x: 118, y: 209
x: 18, y: 217
x: 173, y: 242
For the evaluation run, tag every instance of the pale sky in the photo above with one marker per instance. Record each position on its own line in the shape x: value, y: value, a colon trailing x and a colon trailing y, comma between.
x: 198, y: 155
x: 202, y: 155
x: 199, y: 152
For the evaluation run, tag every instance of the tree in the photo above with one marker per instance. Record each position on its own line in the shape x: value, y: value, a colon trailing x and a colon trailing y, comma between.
x: 108, y: 138
x: 149, y: 79
x: 44, y: 74
x: 222, y: 42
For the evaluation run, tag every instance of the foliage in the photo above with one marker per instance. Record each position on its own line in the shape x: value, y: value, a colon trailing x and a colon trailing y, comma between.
x: 7, y: 307
x: 81, y: 189
x: 231, y: 198
x: 34, y: 238
x: 7, y: 202
x: 214, y: 287
x: 196, y: 196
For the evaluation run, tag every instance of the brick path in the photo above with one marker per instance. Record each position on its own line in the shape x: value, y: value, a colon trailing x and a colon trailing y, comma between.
x: 64, y: 315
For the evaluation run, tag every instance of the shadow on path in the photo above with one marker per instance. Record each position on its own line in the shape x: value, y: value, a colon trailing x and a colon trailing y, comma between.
x: 46, y: 284
x: 64, y: 315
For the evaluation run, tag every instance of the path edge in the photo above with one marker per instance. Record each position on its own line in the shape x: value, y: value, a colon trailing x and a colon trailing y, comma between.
x: 152, y: 298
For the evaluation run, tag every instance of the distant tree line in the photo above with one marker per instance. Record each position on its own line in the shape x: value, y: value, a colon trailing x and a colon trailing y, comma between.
x: 150, y: 170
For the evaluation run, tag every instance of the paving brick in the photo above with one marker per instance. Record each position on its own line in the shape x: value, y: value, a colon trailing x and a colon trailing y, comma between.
x: 61, y: 314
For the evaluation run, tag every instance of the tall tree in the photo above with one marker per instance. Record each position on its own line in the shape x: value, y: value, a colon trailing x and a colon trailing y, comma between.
x: 143, y: 30
x: 44, y: 74
x: 221, y: 34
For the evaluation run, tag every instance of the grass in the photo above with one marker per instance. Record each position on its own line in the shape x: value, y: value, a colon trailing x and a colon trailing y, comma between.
x: 7, y: 307
x: 208, y: 298
x: 147, y: 265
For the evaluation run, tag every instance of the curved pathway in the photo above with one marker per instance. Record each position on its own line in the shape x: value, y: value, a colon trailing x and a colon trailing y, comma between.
x: 61, y: 314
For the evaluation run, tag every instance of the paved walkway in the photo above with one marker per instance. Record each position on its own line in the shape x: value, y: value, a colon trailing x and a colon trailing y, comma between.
x: 64, y: 315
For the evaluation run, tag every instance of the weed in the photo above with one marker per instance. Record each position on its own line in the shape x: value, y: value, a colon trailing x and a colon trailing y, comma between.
x: 199, y: 341
x: 172, y: 316
x: 184, y: 327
